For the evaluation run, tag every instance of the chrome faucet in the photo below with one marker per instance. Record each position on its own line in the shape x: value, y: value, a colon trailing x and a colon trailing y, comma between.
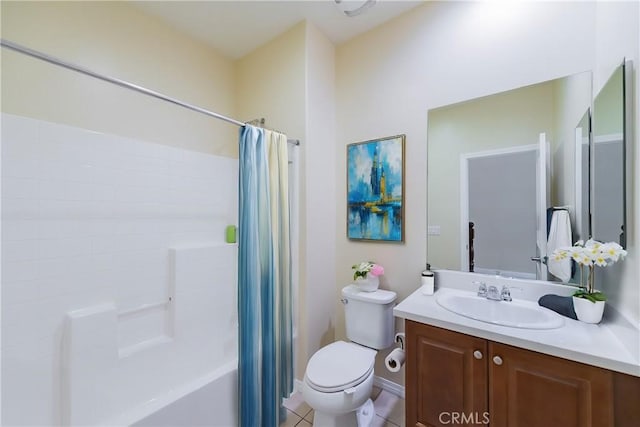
x: 493, y: 294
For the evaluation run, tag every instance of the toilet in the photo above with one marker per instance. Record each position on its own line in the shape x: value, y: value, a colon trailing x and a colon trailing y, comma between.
x: 339, y: 377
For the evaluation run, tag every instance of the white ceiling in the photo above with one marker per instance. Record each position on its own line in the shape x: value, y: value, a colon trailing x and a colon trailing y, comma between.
x: 235, y: 28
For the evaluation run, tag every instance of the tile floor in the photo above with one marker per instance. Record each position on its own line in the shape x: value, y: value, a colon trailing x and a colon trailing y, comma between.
x: 389, y: 410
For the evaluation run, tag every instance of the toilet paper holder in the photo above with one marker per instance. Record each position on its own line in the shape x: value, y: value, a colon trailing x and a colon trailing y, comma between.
x: 399, y: 338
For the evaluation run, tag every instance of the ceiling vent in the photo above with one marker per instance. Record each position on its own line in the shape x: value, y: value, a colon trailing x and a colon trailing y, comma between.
x: 354, y: 8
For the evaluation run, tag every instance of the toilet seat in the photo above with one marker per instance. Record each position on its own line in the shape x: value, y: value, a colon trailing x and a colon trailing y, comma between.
x: 339, y: 366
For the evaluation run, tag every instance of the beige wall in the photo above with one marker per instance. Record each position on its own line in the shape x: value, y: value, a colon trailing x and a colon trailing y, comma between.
x: 270, y: 83
x: 446, y: 52
x: 118, y: 40
x: 319, y: 195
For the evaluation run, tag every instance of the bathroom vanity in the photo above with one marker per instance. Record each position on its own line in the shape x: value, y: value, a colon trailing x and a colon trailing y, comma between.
x: 469, y: 372
x: 478, y: 353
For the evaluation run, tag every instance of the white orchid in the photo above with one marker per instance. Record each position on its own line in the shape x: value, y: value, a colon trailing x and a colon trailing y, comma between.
x: 591, y: 254
x: 613, y: 251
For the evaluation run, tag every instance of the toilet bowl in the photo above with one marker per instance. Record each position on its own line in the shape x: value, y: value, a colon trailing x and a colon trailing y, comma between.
x: 339, y: 377
x: 338, y: 382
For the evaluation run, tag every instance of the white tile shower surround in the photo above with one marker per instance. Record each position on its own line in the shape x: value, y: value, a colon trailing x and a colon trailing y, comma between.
x: 88, y: 219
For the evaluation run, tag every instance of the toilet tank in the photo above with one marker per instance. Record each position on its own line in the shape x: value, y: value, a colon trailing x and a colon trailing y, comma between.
x: 369, y: 316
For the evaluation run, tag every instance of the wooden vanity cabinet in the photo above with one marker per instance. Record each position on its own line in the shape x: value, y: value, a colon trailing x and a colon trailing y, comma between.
x: 445, y: 359
x: 534, y: 389
x: 490, y: 383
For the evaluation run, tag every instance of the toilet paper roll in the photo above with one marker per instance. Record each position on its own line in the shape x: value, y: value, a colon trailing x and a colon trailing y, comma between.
x: 395, y: 360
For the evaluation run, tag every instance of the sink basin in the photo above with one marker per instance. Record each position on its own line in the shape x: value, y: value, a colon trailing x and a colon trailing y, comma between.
x: 515, y: 314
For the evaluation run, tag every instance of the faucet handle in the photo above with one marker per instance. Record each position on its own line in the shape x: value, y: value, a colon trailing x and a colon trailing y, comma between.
x: 482, y: 288
x: 505, y: 293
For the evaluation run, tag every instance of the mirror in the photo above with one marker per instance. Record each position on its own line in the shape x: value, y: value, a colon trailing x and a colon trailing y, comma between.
x: 582, y: 223
x: 495, y: 164
x: 608, y: 165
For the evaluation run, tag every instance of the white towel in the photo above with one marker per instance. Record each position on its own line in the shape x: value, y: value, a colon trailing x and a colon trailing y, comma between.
x: 559, y: 237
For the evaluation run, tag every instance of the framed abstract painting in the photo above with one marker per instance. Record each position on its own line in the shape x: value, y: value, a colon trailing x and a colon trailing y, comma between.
x: 375, y: 190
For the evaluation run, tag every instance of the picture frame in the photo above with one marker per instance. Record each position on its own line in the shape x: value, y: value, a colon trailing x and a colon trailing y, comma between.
x: 375, y: 190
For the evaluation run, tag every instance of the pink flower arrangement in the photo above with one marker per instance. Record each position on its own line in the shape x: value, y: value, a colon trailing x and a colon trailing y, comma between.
x: 364, y: 268
x: 376, y: 270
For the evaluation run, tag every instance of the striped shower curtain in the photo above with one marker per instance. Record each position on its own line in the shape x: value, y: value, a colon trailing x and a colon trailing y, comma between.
x: 265, y: 353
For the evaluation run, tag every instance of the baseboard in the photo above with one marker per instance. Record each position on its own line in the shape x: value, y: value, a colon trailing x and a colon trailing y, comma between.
x: 383, y: 383
x: 389, y: 386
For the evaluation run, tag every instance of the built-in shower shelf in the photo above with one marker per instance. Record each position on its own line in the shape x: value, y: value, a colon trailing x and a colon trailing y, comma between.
x: 143, y: 307
x: 144, y: 325
x: 155, y: 319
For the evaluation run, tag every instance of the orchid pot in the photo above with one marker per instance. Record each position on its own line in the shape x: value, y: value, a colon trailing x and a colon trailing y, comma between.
x: 368, y: 284
x: 588, y: 303
x: 588, y: 311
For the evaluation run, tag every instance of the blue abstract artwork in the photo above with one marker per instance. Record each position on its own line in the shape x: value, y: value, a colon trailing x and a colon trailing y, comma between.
x: 375, y: 197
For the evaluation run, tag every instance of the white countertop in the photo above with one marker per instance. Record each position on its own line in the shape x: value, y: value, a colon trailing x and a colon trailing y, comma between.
x: 595, y: 345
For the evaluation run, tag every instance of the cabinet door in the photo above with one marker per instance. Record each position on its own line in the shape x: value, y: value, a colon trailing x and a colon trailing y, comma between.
x: 446, y: 377
x: 626, y: 400
x: 529, y: 389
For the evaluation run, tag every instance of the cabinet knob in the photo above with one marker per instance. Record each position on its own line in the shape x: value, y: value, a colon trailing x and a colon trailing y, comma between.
x: 497, y: 360
x: 477, y: 354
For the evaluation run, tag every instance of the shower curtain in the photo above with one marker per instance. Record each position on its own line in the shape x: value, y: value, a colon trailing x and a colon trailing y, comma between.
x: 265, y: 353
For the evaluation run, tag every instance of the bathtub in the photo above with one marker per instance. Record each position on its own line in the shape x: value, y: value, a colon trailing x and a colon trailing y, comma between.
x: 208, y: 401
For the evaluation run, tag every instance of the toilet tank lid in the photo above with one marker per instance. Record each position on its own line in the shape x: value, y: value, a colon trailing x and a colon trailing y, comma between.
x: 379, y: 296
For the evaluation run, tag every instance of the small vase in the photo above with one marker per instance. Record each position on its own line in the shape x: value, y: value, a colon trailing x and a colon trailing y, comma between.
x: 587, y: 311
x: 368, y: 284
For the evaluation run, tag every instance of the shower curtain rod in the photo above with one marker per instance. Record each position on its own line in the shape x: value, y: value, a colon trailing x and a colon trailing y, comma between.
x: 122, y: 83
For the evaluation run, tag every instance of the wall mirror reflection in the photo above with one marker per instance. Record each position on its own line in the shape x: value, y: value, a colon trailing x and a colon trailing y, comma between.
x: 608, y: 165
x: 498, y: 166
x: 582, y: 176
